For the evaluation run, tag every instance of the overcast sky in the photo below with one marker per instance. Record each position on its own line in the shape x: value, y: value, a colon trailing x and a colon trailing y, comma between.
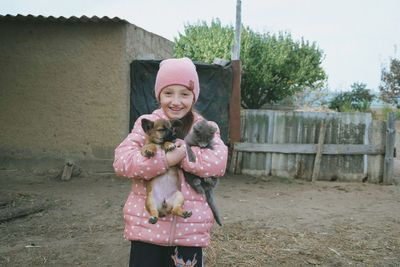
x: 358, y: 37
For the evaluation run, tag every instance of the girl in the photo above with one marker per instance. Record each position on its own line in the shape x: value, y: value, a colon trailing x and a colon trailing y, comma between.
x: 173, y: 240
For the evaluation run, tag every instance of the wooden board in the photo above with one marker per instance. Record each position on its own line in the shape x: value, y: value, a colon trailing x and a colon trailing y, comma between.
x: 330, y: 149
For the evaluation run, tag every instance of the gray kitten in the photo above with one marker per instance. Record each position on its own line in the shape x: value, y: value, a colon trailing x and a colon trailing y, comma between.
x: 202, y: 136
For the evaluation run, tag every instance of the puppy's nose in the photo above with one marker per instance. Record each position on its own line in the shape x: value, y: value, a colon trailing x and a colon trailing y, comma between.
x: 170, y: 135
x: 173, y: 134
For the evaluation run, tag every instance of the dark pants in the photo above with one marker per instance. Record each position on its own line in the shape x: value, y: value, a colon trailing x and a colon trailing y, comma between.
x: 150, y: 255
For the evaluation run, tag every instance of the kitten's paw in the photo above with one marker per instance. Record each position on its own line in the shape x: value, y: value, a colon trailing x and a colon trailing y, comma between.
x: 192, y: 158
x: 211, y: 181
x: 153, y: 220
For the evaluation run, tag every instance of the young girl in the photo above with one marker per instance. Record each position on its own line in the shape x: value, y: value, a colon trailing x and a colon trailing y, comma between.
x: 173, y: 240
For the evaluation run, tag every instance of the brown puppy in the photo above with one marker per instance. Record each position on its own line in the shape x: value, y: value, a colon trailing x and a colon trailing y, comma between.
x: 163, y: 192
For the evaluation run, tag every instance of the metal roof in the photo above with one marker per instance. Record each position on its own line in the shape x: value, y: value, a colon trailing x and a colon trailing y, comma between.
x: 62, y: 19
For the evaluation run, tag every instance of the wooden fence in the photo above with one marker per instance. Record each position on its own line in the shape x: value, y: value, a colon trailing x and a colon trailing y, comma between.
x: 315, y: 146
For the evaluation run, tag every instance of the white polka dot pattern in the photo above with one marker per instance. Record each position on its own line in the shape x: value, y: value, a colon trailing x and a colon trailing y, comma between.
x: 170, y: 230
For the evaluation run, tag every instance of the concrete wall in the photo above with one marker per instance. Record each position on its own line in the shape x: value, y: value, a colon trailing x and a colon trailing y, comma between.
x: 64, y: 91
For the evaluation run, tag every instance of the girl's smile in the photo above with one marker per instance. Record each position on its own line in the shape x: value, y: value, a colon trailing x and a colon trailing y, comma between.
x: 176, y: 101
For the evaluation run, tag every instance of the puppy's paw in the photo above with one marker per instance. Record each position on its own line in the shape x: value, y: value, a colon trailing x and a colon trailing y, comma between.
x: 153, y: 220
x: 169, y: 146
x: 148, y: 150
x: 187, y: 214
x: 148, y: 153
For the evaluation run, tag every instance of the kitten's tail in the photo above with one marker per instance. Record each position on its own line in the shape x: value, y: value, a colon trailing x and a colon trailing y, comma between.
x: 211, y: 203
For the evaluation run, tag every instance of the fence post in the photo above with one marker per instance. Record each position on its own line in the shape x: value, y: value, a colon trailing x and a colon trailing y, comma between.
x: 318, y: 155
x: 234, y: 112
x: 389, y: 151
x: 234, y: 107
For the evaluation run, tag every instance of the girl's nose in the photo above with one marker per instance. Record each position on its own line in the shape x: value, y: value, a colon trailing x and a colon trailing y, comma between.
x: 175, y: 99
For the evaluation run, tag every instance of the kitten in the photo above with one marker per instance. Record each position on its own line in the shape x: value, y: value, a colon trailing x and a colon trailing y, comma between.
x: 202, y: 136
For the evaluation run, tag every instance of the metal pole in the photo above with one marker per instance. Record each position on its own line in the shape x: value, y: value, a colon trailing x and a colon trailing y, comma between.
x: 235, y: 55
x: 234, y: 107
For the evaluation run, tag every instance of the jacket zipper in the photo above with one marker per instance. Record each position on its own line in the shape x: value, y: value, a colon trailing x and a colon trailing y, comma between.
x: 172, y: 232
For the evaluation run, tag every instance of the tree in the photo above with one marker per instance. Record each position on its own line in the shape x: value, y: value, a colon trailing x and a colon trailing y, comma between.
x: 274, y: 66
x: 204, y: 43
x: 390, y: 83
x: 359, y: 98
x: 310, y: 97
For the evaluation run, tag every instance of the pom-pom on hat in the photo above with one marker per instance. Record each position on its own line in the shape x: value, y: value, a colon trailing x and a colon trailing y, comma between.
x: 180, y: 71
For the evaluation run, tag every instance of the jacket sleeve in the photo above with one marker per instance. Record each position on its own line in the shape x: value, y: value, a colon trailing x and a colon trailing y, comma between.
x: 209, y: 162
x: 130, y: 163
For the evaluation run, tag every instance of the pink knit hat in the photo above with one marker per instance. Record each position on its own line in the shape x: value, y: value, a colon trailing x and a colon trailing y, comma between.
x: 180, y: 71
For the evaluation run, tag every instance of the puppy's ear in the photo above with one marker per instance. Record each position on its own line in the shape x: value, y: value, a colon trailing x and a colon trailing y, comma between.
x: 147, y: 125
x: 176, y: 123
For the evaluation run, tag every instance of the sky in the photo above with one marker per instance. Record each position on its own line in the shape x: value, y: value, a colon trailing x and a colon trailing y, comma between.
x: 358, y: 37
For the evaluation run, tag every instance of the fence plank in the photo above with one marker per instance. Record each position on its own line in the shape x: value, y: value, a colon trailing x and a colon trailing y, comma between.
x: 239, y: 163
x: 390, y: 141
x: 331, y: 149
x: 318, y: 156
x: 284, y: 143
x: 270, y: 138
x: 232, y: 166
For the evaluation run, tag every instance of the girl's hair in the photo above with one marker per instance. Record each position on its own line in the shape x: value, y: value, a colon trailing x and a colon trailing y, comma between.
x: 187, y: 121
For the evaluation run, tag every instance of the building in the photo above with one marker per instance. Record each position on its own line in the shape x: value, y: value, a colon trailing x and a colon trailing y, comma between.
x: 65, y: 88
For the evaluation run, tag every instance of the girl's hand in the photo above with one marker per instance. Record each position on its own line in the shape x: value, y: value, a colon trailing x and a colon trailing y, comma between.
x: 175, y: 156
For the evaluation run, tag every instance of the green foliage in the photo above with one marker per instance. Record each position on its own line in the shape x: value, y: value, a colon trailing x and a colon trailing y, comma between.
x: 274, y: 66
x: 203, y: 43
x: 386, y: 109
x: 358, y: 99
x: 390, y: 86
x: 364, y: 106
x: 309, y: 97
x: 347, y: 107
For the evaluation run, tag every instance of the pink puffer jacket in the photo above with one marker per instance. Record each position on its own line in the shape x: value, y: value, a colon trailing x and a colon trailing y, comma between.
x: 171, y: 230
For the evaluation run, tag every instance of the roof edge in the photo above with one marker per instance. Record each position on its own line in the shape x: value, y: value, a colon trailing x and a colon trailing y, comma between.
x: 61, y: 19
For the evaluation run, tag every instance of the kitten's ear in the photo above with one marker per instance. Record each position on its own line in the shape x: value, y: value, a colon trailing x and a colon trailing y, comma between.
x: 213, y: 129
x: 147, y: 125
x: 204, y: 122
x: 176, y: 123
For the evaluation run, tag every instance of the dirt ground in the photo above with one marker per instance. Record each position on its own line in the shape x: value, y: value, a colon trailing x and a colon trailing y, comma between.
x: 267, y: 222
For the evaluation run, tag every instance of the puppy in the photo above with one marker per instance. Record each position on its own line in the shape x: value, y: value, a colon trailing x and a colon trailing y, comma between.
x: 163, y: 192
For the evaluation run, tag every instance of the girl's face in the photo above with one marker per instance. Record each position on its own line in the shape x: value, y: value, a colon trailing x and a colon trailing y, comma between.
x: 176, y: 101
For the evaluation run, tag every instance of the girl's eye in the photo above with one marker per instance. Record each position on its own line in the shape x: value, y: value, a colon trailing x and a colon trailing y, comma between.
x: 160, y: 130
